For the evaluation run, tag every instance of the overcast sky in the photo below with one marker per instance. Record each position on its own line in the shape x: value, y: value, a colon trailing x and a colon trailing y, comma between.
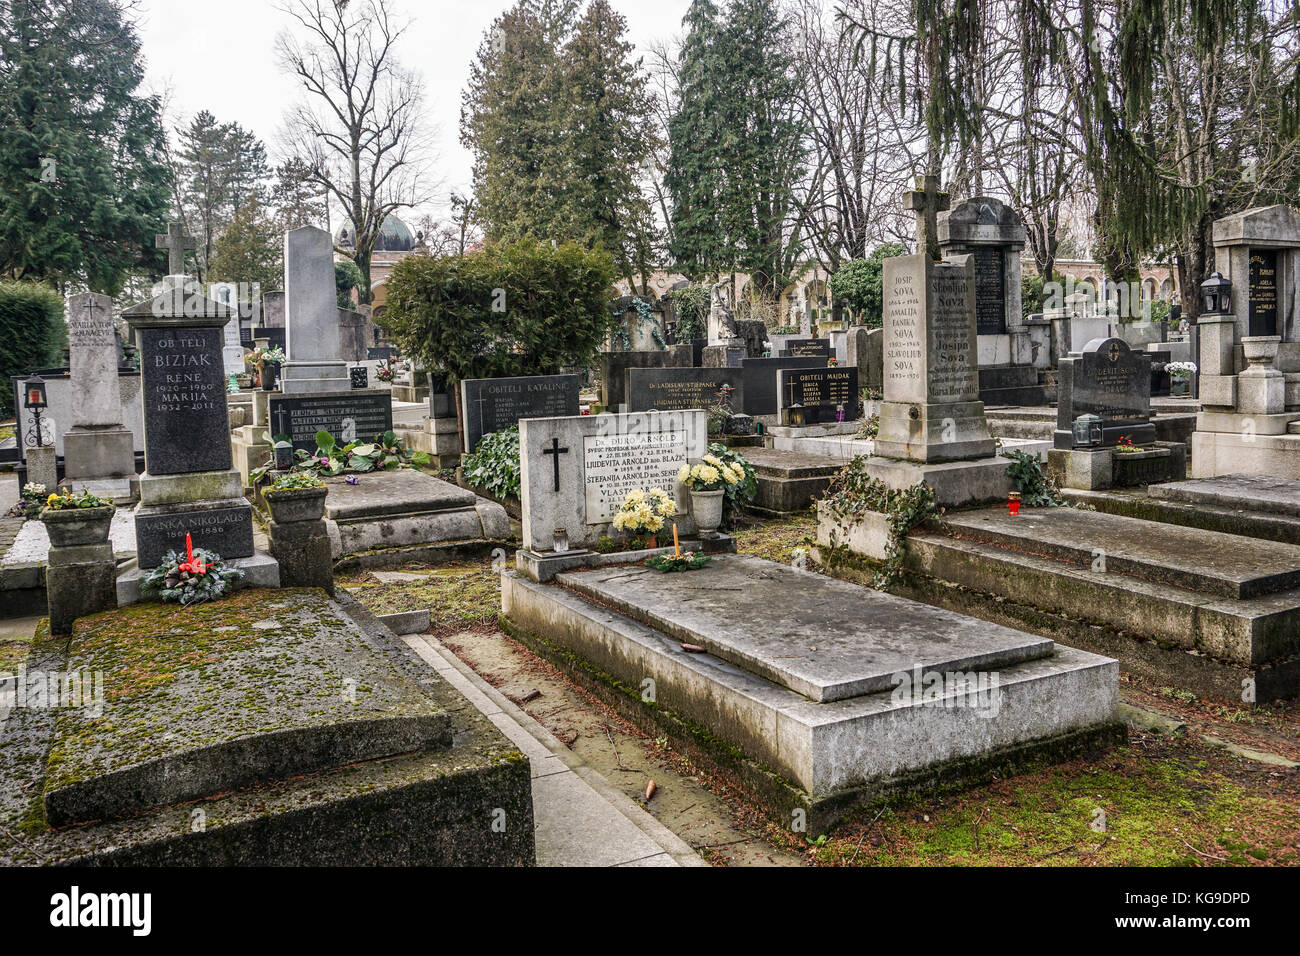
x: 219, y: 56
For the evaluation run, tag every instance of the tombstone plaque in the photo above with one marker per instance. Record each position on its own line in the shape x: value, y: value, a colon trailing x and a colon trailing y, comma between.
x: 990, y: 293
x: 824, y: 394
x: 491, y: 404
x: 677, y: 389
x: 348, y: 416
x: 1262, y: 294
x: 807, y: 348
x: 1111, y: 381
x: 760, y: 387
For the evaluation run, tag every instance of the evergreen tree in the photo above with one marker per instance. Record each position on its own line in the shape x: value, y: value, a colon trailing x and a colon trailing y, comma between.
x: 220, y: 166
x: 250, y: 249
x: 512, y: 120
x: 84, y: 183
x: 297, y: 198
x: 697, y: 149
x: 610, y: 142
x: 764, y: 148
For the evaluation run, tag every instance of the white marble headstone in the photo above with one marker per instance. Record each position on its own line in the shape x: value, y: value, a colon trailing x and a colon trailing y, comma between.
x: 93, y: 355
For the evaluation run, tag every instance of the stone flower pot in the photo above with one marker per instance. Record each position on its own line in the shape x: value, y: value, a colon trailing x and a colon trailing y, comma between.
x: 268, y: 376
x: 69, y: 527
x: 1260, y: 349
x: 296, y: 504
x: 706, y: 507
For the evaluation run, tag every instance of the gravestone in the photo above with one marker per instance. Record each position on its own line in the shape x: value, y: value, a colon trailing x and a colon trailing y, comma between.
x: 576, y: 470
x: 931, y: 410
x: 1110, y: 380
x: 614, y: 364
x: 98, y: 450
x: 189, y: 486
x: 314, y: 349
x: 723, y: 356
x: 823, y: 394
x: 677, y: 389
x: 353, y: 415
x: 491, y: 404
x: 354, y: 335
x: 807, y: 348
x: 57, y: 418
x: 760, y: 385
x: 273, y: 310
x: 380, y: 353
x: 866, y: 351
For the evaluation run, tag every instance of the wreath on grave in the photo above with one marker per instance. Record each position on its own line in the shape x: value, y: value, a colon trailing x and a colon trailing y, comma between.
x: 196, y: 576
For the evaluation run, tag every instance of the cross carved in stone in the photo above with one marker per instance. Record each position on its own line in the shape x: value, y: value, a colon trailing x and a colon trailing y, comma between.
x: 557, y: 451
x: 175, y: 242
x: 927, y: 200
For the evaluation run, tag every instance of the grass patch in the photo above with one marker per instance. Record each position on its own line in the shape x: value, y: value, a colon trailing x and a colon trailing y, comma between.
x: 459, y: 596
x: 777, y: 540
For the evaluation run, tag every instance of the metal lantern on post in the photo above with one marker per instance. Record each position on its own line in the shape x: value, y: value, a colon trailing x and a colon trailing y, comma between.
x: 35, y: 399
x: 1216, y: 295
x: 794, y: 415
x: 1087, y: 431
x: 283, y: 451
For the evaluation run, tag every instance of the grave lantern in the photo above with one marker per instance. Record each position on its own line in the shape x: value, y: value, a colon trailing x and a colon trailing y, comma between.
x: 794, y: 415
x: 1216, y: 295
x: 34, y: 393
x: 1087, y: 431
x: 283, y: 455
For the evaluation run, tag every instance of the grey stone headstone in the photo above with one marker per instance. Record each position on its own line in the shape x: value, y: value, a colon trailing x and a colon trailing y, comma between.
x: 866, y: 350
x: 576, y: 471
x: 311, y: 314
x: 491, y: 404
x: 93, y: 348
x: 273, y: 310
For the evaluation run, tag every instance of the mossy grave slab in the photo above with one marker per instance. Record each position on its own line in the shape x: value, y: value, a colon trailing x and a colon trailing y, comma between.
x: 262, y: 685
x: 820, y: 637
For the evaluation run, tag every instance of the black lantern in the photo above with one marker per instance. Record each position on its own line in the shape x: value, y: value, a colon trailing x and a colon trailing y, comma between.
x: 1216, y: 295
x: 34, y: 393
x: 1087, y: 431
x: 283, y: 455
x: 794, y: 415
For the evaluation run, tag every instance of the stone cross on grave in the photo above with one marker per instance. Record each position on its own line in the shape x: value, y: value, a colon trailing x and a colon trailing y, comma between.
x: 557, y: 451
x: 926, y: 201
x: 175, y: 242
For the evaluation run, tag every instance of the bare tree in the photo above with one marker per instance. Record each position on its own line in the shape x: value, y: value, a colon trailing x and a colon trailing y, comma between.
x: 360, y: 123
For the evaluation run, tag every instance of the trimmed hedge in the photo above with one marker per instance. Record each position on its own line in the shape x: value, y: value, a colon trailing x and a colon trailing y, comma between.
x: 32, y: 333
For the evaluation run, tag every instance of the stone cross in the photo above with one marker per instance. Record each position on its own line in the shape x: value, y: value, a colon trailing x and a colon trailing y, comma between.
x: 557, y: 451
x: 175, y: 242
x: 926, y: 201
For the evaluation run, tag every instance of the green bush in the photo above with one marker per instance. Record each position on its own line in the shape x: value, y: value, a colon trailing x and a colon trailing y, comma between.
x: 692, y: 305
x: 494, y: 464
x: 32, y: 333
x: 529, y: 308
x: 347, y: 276
x: 858, y: 285
x: 739, y: 494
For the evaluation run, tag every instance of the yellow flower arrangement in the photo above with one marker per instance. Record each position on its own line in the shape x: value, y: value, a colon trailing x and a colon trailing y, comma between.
x: 710, y: 474
x: 643, y: 512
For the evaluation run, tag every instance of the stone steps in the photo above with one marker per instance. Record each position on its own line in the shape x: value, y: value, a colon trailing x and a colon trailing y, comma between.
x: 1208, y: 517
x: 788, y: 481
x: 797, y: 689
x: 1188, y: 606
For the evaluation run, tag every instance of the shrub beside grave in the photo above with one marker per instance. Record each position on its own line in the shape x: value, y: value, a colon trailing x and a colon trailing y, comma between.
x: 32, y: 332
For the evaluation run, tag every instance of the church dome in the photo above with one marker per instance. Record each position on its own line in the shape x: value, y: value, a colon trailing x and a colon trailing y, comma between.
x: 395, y: 236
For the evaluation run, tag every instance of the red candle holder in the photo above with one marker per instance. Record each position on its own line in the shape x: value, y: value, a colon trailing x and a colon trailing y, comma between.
x: 1013, y: 503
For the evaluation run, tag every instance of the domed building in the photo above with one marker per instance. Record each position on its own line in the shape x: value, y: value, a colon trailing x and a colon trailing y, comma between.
x: 395, y: 243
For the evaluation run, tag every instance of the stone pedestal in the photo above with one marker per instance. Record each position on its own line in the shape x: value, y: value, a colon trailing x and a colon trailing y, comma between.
x: 300, y: 541
x: 79, y: 580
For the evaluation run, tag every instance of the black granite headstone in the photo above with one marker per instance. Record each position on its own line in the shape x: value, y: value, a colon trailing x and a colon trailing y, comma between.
x: 990, y: 290
x: 1262, y: 292
x: 804, y: 348
x: 1111, y: 381
x: 678, y: 389
x: 491, y: 404
x: 379, y: 353
x: 760, y: 380
x: 224, y: 530
x: 1160, y: 378
x: 348, y: 416
x: 821, y: 392
x: 246, y: 336
x: 183, y: 393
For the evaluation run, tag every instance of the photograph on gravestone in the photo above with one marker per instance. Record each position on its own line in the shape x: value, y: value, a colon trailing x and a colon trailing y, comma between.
x: 347, y: 416
x: 677, y: 389
x: 1263, y: 293
x: 759, y: 381
x: 491, y: 404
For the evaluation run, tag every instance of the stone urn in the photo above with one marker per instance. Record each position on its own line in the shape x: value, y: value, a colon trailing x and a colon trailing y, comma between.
x: 706, y: 508
x: 289, y: 505
x: 1260, y: 349
x: 70, y: 527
